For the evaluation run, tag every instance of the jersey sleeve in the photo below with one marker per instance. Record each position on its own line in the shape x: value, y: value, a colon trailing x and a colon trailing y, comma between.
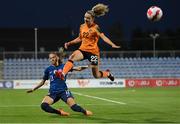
x: 46, y: 74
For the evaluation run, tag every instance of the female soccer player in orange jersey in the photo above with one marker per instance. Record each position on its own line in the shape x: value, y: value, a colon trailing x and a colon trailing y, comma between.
x: 89, y: 36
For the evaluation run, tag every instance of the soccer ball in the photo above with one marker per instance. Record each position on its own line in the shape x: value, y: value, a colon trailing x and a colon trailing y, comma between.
x: 154, y: 13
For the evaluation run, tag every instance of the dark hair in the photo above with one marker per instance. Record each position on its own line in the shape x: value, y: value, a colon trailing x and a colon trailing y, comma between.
x: 59, y: 55
x: 98, y: 10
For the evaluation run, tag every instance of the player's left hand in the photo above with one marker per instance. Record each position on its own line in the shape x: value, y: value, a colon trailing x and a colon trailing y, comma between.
x: 115, y: 46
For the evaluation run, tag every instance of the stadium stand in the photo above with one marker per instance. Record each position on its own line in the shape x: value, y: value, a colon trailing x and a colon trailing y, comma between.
x: 149, y: 67
x: 1, y: 70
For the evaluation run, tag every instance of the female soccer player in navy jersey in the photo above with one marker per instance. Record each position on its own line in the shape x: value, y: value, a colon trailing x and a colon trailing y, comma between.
x: 58, y: 88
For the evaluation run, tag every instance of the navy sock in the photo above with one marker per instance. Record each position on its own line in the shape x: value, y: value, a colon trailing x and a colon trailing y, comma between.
x: 78, y: 108
x: 49, y: 109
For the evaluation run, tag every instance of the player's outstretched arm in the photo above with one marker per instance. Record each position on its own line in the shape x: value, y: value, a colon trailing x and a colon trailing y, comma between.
x: 108, y: 41
x: 80, y: 68
x: 37, y: 87
x: 75, y: 41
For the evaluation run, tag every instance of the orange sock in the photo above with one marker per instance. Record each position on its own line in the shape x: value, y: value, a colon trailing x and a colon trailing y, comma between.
x: 105, y: 74
x: 67, y: 67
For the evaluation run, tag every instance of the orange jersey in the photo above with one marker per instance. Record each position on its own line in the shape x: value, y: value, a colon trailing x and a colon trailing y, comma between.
x: 90, y: 38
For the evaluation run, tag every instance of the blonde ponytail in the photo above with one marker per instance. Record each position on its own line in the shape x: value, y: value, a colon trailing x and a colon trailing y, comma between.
x: 98, y: 10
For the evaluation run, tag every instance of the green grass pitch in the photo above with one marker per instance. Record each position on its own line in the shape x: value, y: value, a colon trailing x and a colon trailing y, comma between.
x: 143, y: 105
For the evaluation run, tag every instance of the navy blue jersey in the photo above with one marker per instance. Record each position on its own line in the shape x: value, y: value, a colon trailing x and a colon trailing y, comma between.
x: 56, y: 84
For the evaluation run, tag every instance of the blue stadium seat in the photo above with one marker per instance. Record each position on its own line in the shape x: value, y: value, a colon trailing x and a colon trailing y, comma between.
x: 163, y: 67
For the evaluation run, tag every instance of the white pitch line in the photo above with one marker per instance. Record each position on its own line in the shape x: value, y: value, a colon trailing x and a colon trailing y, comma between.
x: 104, y: 99
x: 21, y: 106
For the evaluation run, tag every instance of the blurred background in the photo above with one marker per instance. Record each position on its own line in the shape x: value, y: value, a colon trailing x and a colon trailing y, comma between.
x: 30, y: 29
x: 58, y: 22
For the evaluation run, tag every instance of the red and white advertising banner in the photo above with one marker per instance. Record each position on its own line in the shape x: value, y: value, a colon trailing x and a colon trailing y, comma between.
x: 93, y: 83
x: 152, y: 82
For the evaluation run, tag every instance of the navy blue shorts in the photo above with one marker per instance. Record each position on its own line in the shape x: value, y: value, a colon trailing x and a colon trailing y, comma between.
x: 64, y: 95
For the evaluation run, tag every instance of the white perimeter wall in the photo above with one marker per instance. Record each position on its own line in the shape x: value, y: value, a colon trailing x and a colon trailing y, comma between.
x: 74, y: 83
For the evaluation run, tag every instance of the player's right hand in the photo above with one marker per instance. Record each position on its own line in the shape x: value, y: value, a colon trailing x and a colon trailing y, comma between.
x: 66, y: 45
x: 29, y: 91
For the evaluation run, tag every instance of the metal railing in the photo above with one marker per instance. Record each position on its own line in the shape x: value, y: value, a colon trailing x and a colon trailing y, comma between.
x: 6, y: 55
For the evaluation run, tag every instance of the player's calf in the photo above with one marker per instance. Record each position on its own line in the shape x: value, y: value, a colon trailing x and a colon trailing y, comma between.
x: 78, y: 108
x: 47, y: 108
